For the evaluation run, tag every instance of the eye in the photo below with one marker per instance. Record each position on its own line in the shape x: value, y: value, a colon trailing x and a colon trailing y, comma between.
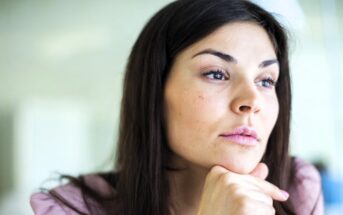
x: 267, y: 82
x: 217, y: 75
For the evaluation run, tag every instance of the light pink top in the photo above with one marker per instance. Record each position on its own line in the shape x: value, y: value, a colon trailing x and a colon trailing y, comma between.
x: 307, y: 201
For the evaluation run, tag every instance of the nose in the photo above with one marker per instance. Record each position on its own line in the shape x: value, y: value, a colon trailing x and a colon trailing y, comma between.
x: 246, y: 100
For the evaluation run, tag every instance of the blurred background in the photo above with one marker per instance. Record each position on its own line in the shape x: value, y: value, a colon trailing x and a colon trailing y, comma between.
x: 61, y: 69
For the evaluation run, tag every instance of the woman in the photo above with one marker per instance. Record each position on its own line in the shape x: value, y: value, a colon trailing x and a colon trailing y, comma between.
x: 205, y: 122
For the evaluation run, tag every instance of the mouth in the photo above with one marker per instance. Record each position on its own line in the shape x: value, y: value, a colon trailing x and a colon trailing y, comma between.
x: 243, y: 135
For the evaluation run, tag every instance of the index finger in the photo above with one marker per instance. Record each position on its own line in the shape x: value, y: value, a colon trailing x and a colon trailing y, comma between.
x: 270, y: 189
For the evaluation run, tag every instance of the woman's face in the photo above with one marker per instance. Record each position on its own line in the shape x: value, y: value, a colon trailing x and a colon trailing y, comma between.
x: 220, y: 100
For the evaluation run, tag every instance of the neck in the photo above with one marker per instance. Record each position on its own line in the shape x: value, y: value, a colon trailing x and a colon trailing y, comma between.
x: 186, y: 187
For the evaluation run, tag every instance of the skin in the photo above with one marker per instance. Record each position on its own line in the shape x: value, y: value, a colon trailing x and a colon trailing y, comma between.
x: 206, y: 96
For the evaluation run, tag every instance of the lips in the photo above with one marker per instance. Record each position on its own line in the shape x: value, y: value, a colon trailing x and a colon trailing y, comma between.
x: 242, y: 135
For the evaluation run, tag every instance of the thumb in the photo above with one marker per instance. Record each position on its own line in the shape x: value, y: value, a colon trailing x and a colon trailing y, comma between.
x: 260, y: 171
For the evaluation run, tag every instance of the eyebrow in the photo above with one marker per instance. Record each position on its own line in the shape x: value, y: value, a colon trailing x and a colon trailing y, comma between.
x: 268, y: 63
x: 228, y: 58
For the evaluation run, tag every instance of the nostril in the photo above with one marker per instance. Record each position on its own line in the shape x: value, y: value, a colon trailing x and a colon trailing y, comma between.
x: 244, y: 108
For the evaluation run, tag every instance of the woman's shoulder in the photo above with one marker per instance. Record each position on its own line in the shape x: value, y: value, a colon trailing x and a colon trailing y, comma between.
x: 44, y: 203
x: 305, y: 189
x: 305, y: 172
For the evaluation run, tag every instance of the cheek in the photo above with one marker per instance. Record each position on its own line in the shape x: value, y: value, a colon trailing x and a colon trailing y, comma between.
x: 269, y: 116
x: 192, y: 117
x: 273, y: 110
x: 192, y: 110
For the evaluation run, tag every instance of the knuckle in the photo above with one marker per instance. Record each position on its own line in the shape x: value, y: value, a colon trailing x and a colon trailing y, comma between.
x: 242, y: 202
x: 270, y: 188
x: 270, y: 201
x: 233, y: 188
x: 272, y: 211
x: 247, y: 208
x: 216, y: 170
x: 274, y: 188
x: 225, y: 178
x: 267, y: 209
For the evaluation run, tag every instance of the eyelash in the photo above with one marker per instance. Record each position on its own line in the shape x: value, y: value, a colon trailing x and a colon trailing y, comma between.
x: 270, y: 81
x: 224, y: 75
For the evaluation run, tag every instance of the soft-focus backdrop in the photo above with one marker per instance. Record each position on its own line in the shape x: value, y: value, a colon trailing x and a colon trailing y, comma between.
x: 61, y: 69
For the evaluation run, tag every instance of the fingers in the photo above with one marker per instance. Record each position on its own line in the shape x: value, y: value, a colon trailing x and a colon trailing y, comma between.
x: 251, y: 194
x: 257, y: 204
x: 261, y: 197
x: 253, y: 180
x: 269, y: 188
x: 226, y: 192
x: 261, y: 171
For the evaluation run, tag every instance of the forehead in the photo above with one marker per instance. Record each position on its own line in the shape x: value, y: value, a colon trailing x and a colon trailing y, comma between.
x: 237, y: 37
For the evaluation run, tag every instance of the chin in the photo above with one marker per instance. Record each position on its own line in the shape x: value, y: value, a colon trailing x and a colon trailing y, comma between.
x: 241, y: 167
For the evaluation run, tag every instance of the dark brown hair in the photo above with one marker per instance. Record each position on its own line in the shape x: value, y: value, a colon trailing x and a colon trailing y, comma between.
x: 139, y: 180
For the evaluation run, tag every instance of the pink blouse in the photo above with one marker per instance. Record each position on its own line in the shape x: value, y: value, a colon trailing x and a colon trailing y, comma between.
x: 308, y: 198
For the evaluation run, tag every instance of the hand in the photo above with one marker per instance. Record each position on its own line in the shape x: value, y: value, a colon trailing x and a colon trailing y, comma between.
x: 226, y: 192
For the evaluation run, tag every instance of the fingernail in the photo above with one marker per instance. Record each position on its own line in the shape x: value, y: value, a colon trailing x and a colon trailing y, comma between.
x: 285, y: 194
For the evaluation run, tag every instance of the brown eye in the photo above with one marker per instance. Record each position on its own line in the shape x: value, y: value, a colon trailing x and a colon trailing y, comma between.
x: 217, y: 75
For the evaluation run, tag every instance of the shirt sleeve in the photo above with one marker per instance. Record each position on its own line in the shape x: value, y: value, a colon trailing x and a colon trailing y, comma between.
x: 306, y: 190
x: 47, y: 204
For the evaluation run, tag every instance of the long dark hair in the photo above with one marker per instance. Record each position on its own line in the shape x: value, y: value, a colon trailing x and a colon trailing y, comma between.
x: 139, y: 180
